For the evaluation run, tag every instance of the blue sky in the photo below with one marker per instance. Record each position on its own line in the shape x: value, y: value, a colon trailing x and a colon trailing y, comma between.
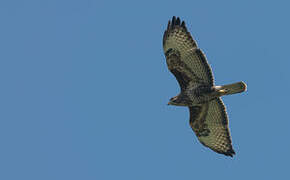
x: 84, y: 88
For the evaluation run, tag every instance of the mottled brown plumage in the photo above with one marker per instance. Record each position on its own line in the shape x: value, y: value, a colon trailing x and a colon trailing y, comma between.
x: 208, y: 117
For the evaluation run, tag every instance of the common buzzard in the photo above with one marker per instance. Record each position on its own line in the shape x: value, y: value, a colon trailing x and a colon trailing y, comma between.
x: 208, y: 117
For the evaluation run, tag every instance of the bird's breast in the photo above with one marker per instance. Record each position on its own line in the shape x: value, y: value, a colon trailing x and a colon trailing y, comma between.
x: 201, y: 94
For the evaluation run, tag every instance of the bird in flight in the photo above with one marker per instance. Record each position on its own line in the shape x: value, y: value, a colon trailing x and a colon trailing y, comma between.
x: 208, y: 117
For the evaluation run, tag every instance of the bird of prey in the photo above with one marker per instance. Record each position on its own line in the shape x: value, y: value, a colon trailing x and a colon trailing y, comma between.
x: 208, y: 117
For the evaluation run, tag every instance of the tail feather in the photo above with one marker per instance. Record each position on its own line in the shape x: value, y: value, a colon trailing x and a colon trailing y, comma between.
x: 232, y: 88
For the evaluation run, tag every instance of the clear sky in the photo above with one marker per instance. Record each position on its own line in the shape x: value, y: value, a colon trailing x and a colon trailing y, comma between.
x: 84, y: 90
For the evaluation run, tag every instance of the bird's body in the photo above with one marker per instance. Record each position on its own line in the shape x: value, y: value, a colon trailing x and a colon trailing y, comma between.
x: 188, y: 64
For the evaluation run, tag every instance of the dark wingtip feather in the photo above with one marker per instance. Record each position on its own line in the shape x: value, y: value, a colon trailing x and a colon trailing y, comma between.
x: 173, y: 19
x: 230, y: 152
x: 183, y: 24
x: 177, y: 22
x: 173, y: 22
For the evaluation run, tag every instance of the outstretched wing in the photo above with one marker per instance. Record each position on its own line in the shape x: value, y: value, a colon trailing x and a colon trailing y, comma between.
x: 210, y: 124
x: 184, y: 59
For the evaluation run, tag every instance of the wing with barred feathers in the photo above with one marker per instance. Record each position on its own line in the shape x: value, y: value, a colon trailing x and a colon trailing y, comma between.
x: 184, y: 59
x: 209, y: 121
